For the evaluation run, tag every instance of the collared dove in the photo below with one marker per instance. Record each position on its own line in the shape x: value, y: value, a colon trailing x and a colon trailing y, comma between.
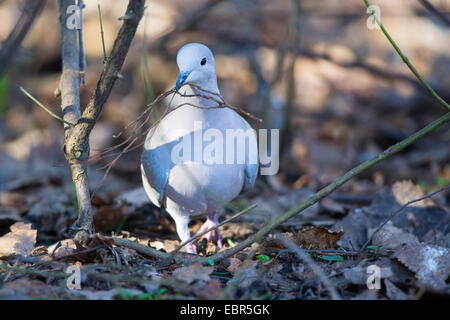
x: 199, y: 182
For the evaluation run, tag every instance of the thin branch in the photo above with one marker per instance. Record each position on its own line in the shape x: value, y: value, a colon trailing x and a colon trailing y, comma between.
x: 293, y: 42
x: 399, y: 210
x: 140, y: 248
x: 238, y: 277
x: 405, y: 59
x: 44, y: 107
x: 306, y: 52
x: 187, y: 21
x: 307, y: 259
x: 435, y: 11
x: 18, y: 33
x: 101, y: 32
x: 81, y: 45
x: 213, y: 228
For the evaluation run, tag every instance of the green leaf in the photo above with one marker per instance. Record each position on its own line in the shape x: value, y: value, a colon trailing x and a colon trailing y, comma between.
x: 4, y: 93
x: 332, y: 258
x: 263, y: 257
x: 146, y: 296
x: 441, y: 181
x: 230, y: 243
x: 124, y: 295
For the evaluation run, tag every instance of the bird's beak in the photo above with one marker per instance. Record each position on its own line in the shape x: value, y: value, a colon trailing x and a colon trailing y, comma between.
x: 181, y: 79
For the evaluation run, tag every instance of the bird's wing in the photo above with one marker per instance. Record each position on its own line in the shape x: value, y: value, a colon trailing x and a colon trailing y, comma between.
x: 251, y: 169
x: 155, y: 167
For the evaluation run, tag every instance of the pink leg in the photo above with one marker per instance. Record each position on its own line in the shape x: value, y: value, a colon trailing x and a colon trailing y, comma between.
x: 211, y: 221
x: 214, y: 217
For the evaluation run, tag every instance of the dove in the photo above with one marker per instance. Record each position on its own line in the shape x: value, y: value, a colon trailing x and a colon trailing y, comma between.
x: 190, y: 165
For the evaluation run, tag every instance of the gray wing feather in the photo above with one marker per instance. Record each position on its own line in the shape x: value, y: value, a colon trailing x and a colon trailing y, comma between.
x: 155, y: 167
x: 155, y: 175
x: 251, y: 169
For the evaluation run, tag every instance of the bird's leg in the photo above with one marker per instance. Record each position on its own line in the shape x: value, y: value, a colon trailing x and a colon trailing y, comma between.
x: 211, y: 221
x: 205, y: 226
x: 214, y: 217
x: 182, y: 223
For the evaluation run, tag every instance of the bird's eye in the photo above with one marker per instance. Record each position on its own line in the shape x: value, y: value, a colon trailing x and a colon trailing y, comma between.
x: 203, y: 62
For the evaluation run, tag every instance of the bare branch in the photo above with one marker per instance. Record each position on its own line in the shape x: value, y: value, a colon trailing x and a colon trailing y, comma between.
x: 435, y: 11
x: 44, y: 107
x: 20, y: 30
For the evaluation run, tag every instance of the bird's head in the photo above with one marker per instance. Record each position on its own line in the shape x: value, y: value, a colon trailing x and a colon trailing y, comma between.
x: 197, y: 66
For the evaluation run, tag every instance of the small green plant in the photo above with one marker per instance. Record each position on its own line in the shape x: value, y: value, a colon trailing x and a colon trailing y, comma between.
x: 263, y: 257
x: 152, y: 296
x: 332, y: 258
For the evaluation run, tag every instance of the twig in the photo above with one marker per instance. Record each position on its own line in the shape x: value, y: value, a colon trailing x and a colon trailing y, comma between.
x: 81, y: 45
x: 307, y: 259
x: 212, y: 228
x: 133, y: 138
x: 168, y: 257
x: 44, y: 107
x: 239, y: 274
x: 222, y: 103
x: 435, y: 11
x: 145, y: 250
x: 187, y: 21
x: 293, y: 42
x: 18, y: 33
x: 405, y: 59
x: 101, y: 32
x: 399, y: 210
x: 306, y: 52
x: 325, y: 252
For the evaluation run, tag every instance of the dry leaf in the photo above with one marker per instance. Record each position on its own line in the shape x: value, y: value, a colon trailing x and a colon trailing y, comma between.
x: 430, y: 263
x: 318, y: 238
x: 62, y: 248
x: 234, y: 265
x: 20, y: 241
x: 193, y: 272
x: 393, y: 292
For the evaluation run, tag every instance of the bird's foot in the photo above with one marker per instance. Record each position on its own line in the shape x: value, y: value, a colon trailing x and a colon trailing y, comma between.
x: 190, y: 249
x: 211, y: 222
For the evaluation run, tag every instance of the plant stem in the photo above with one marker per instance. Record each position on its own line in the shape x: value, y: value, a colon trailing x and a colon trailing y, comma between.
x: 405, y: 59
x: 44, y: 107
x: 101, y: 32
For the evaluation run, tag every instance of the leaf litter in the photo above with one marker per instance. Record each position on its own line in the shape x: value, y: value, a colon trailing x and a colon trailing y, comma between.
x: 408, y: 257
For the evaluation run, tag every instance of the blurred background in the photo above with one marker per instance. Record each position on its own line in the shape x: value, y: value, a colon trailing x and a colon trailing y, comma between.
x: 336, y: 88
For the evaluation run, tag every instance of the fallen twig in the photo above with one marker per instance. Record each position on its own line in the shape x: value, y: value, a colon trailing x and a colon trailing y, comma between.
x: 399, y: 210
x: 307, y: 259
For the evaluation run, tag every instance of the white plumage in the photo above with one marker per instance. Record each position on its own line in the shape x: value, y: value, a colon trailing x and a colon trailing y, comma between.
x: 186, y: 185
